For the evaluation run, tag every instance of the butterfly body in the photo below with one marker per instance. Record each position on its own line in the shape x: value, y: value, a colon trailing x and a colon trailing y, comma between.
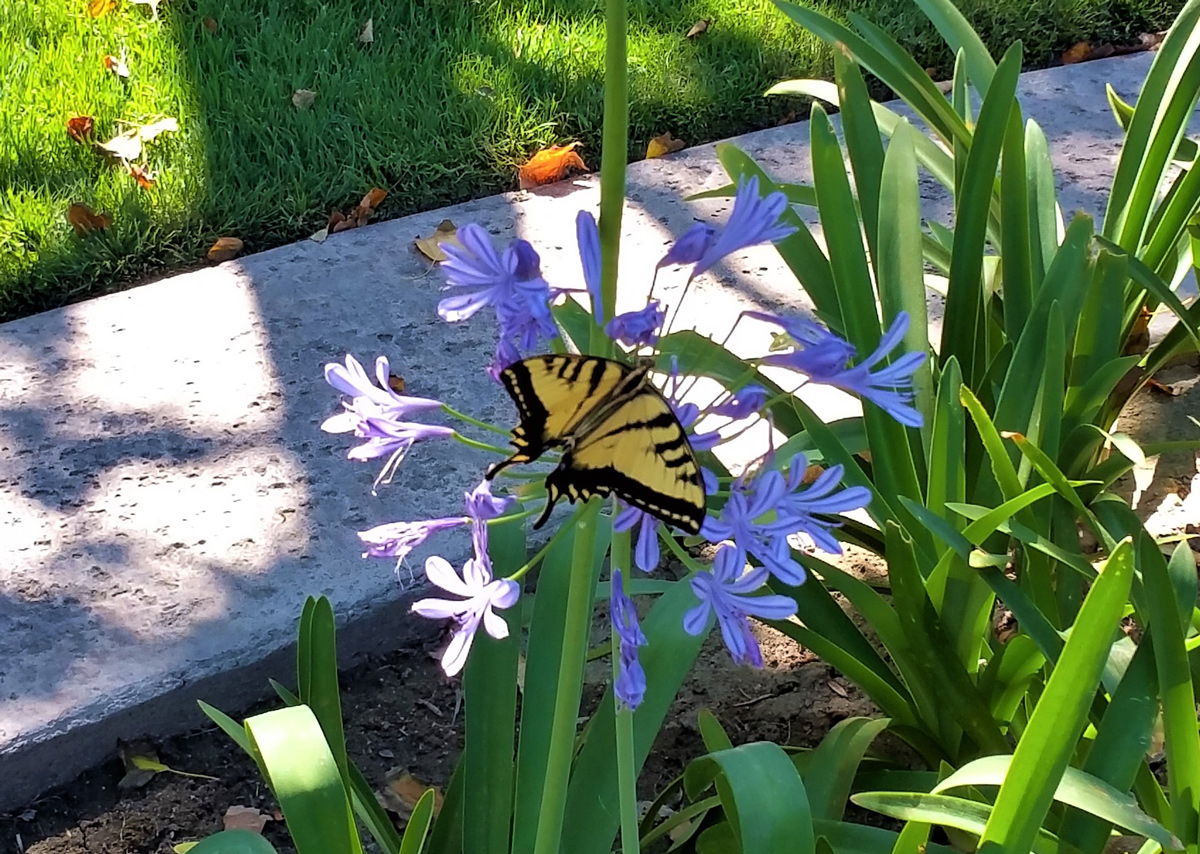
x: 617, y: 433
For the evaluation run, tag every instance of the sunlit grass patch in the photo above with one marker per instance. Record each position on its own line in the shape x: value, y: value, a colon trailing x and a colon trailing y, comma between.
x: 441, y: 106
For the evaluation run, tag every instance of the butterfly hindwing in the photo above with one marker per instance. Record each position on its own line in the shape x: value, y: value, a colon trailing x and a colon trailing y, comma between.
x: 618, y: 433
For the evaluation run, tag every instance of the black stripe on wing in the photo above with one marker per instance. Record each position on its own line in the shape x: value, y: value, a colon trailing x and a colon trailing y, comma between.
x: 582, y: 483
x: 533, y: 415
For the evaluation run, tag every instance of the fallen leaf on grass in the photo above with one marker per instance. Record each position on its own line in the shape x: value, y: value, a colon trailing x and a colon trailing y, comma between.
x: 79, y: 127
x: 84, y: 220
x: 128, y: 146
x: 359, y: 215
x: 662, y: 144
x: 403, y: 790
x: 99, y: 8
x: 225, y: 249
x: 698, y: 28
x: 367, y: 35
x: 153, y: 4
x: 1077, y: 52
x: 144, y: 177
x: 302, y: 99
x: 150, y: 131
x: 245, y: 818
x: 116, y: 66
x: 550, y: 165
x: 211, y: 24
x: 431, y: 247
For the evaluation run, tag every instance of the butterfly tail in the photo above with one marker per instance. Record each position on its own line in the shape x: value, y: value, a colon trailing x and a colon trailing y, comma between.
x: 552, y: 496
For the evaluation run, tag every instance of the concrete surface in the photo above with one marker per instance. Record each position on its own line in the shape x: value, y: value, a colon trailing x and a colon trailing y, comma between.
x: 167, y: 499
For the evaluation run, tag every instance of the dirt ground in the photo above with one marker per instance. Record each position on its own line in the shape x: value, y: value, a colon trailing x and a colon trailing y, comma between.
x: 400, y: 711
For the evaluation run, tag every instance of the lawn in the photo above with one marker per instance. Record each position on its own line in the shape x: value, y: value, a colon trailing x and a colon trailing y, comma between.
x: 439, y: 107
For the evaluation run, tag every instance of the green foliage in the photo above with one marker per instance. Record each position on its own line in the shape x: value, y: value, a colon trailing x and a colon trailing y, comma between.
x: 437, y: 109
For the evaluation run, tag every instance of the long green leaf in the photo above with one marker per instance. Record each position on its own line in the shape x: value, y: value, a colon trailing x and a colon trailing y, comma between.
x: 305, y: 778
x: 835, y: 762
x: 848, y: 838
x: 946, y: 810
x: 1057, y: 721
x: 323, y: 694
x: 417, y: 829
x: 233, y: 842
x: 956, y: 31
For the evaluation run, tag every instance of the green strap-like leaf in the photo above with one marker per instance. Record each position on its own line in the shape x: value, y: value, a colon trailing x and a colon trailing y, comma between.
x: 233, y: 842
x: 835, y: 762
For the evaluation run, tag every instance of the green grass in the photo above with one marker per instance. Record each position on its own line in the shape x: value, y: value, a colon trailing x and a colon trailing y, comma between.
x: 449, y: 97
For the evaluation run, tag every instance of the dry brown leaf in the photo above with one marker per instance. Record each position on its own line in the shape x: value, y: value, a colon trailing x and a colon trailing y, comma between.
x: 372, y: 199
x: 126, y: 146
x: 99, y: 8
x: 402, y: 792
x: 662, y: 144
x: 698, y: 28
x: 225, y: 249
x: 150, y: 131
x: 302, y: 99
x: 550, y: 165
x: 153, y: 4
x: 1150, y: 41
x: 144, y: 177
x: 245, y: 818
x: 1077, y: 52
x: 116, y: 66
x: 85, y: 221
x: 431, y: 247
x: 367, y: 35
x: 839, y: 689
x: 79, y: 127
x: 395, y: 383
x: 211, y: 24
x: 320, y: 236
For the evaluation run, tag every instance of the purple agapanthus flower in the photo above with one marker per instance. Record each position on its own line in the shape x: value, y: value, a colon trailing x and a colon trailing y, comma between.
x: 646, y: 552
x: 480, y: 506
x: 754, y: 220
x: 742, y: 403
x: 727, y: 593
x: 763, y: 513
x: 397, y: 539
x: 630, y: 686
x: 479, y: 593
x: 587, y: 235
x: 825, y: 358
x: 377, y: 414
x: 637, y: 328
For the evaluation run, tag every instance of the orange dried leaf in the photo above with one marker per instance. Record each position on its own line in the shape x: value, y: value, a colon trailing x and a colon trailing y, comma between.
x: 1077, y: 52
x: 79, y: 127
x: 373, y: 199
x: 116, y: 66
x: 99, y: 8
x: 662, y: 144
x: 85, y: 221
x: 225, y: 249
x: 402, y: 792
x: 144, y: 177
x: 550, y: 165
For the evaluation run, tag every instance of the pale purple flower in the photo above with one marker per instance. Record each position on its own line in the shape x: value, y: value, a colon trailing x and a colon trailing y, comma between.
x: 478, y: 593
x: 376, y: 414
x: 754, y: 220
x: 761, y: 515
x: 587, y: 235
x: 727, y: 593
x: 482, y: 276
x: 646, y: 553
x: 480, y: 506
x: 397, y: 539
x: 630, y: 686
x: 742, y: 403
x: 637, y: 328
x: 825, y: 358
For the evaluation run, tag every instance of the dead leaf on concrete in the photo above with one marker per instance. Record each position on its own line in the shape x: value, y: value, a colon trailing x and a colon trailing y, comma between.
x: 302, y: 99
x: 367, y: 34
x: 245, y: 818
x: 1077, y: 52
x: 698, y: 28
x: 431, y: 247
x: 85, y: 221
x: 662, y: 144
x: 225, y: 249
x: 550, y: 165
x: 402, y: 791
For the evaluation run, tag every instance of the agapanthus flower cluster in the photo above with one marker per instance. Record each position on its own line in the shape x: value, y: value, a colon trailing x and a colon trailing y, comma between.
x: 767, y: 513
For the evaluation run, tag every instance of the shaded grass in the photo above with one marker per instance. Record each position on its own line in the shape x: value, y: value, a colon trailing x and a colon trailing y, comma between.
x: 449, y: 97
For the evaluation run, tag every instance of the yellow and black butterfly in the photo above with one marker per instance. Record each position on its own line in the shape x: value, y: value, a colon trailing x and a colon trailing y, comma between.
x: 617, y: 433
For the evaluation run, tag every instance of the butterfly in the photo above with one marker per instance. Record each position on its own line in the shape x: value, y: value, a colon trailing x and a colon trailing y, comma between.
x: 617, y: 433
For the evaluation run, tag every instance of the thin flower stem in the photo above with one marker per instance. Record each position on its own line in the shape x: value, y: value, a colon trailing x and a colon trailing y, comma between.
x: 570, y: 680
x: 537, y: 558
x: 612, y: 160
x: 482, y: 446
x: 626, y: 773
x: 462, y: 416
x: 684, y: 558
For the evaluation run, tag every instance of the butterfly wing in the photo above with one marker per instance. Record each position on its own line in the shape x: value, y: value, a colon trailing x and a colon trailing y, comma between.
x: 640, y: 452
x: 553, y: 394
